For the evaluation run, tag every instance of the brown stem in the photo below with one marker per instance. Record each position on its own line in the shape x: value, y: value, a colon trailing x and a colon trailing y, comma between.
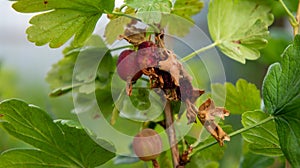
x: 296, y: 30
x: 155, y: 164
x: 171, y: 134
x: 287, y: 164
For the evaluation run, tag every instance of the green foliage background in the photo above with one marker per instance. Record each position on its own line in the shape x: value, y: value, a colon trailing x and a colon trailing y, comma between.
x: 252, y: 71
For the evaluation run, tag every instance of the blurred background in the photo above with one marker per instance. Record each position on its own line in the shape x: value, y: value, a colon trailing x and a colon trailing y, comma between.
x: 24, y: 66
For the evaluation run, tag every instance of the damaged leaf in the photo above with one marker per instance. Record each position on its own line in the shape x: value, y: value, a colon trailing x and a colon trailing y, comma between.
x: 207, y: 113
x: 134, y: 35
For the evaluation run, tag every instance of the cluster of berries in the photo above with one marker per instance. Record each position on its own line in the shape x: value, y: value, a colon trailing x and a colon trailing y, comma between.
x: 147, y: 60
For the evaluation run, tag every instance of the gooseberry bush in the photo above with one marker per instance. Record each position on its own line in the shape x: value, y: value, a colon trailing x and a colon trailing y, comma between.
x: 147, y: 96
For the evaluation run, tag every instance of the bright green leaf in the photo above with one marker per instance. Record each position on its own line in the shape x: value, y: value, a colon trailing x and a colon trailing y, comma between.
x: 256, y: 161
x: 67, y: 146
x: 31, y: 158
x: 187, y: 8
x: 150, y: 11
x: 239, y: 28
x: 247, y: 92
x: 263, y: 139
x: 63, y: 19
x: 281, y: 93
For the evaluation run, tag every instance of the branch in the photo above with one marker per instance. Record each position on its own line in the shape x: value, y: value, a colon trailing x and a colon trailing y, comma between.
x: 296, y: 30
x: 171, y: 134
x: 292, y: 19
x: 120, y: 48
x: 237, y: 132
x: 193, y: 54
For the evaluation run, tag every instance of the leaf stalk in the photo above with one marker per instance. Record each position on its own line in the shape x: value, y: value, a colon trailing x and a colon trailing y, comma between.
x: 193, y: 54
x: 293, y: 21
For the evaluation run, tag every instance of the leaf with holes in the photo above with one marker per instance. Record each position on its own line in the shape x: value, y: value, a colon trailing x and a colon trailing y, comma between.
x: 56, y: 144
x: 62, y: 19
x: 263, y: 139
x: 281, y: 95
x: 239, y: 28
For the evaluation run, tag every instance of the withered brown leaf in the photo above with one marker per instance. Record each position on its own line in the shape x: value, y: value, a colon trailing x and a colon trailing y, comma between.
x: 207, y: 113
x: 172, y: 65
x: 134, y: 35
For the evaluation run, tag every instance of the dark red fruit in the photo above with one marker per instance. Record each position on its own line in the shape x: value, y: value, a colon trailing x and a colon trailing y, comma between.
x: 147, y: 55
x: 147, y: 145
x: 127, y: 66
x: 146, y: 44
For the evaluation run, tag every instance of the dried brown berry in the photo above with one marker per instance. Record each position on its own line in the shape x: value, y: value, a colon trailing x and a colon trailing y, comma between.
x: 147, y: 144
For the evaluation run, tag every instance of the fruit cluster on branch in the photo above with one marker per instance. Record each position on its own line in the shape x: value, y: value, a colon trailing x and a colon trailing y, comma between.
x: 165, y: 72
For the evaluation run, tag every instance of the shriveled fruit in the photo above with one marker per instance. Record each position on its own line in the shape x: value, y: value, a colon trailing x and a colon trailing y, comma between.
x: 127, y: 67
x: 147, y: 145
x: 147, y: 55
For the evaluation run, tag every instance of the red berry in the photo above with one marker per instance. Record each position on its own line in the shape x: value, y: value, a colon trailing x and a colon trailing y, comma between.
x: 146, y: 44
x: 127, y: 66
x: 147, y: 145
x: 147, y: 55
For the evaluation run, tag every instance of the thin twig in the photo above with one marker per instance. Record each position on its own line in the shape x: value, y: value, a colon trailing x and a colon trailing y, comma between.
x: 155, y: 164
x: 296, y: 30
x: 293, y: 21
x: 193, y: 54
x: 171, y: 134
x: 120, y: 48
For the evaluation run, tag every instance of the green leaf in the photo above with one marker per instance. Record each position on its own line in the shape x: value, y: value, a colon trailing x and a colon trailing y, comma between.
x: 57, y: 143
x: 87, y: 68
x: 32, y: 158
x: 187, y: 8
x: 281, y: 94
x: 207, y: 158
x: 61, y: 73
x: 150, y: 11
x: 62, y: 20
x: 256, y: 161
x: 239, y: 28
x: 115, y: 28
x: 176, y: 25
x: 247, y: 92
x: 142, y: 105
x: 262, y: 139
